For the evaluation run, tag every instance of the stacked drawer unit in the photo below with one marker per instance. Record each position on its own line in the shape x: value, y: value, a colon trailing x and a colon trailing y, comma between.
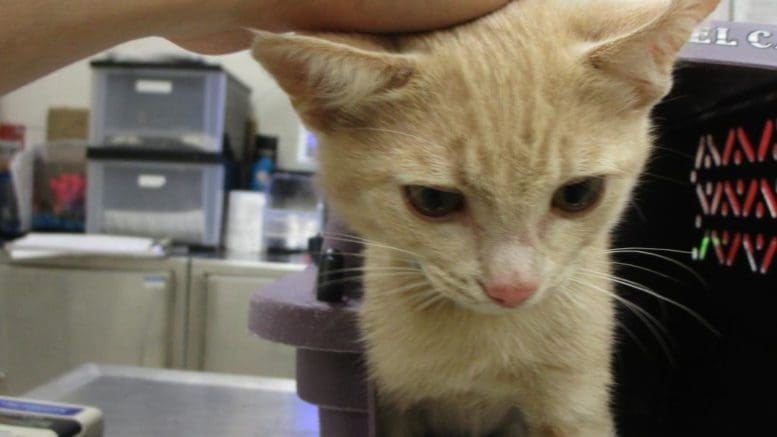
x: 179, y: 196
x: 164, y: 139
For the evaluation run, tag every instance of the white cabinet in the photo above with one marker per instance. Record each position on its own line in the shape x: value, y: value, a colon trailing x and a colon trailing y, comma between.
x: 54, y: 317
x: 179, y: 312
x: 219, y: 339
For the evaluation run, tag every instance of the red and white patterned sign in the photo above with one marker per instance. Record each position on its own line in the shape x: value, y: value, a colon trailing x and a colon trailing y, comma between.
x: 730, y: 186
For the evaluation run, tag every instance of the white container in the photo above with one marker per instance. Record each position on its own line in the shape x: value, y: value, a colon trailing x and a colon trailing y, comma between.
x: 244, y: 222
x: 300, y: 155
x: 189, y: 106
x: 178, y: 200
x: 289, y: 230
x: 294, y: 212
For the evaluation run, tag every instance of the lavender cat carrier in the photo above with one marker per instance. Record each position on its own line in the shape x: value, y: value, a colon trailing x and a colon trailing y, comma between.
x: 316, y: 311
x: 702, y: 232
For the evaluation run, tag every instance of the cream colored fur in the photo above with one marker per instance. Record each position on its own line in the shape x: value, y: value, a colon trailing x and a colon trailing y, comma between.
x: 506, y: 110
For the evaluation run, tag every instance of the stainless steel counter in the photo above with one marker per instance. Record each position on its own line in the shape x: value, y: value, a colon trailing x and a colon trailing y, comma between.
x: 149, y: 402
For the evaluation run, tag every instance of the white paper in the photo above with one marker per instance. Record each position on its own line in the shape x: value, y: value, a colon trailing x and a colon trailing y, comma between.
x: 22, y: 166
x: 36, y: 245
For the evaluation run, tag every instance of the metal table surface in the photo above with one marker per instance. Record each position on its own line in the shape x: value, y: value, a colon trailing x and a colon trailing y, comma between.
x: 154, y: 402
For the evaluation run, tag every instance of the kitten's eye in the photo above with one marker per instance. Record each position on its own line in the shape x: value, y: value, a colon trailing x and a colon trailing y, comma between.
x: 434, y: 203
x: 578, y: 196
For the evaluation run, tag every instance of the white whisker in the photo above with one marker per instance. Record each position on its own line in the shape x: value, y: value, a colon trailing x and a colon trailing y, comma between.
x: 372, y: 269
x: 650, y: 322
x: 642, y: 288
x: 352, y: 239
x: 450, y: 281
x: 406, y: 288
x: 431, y: 301
x: 645, y: 269
x: 648, y: 249
x: 665, y: 178
x: 665, y: 258
x: 634, y: 338
x: 371, y: 275
x: 639, y: 211
x: 339, y: 252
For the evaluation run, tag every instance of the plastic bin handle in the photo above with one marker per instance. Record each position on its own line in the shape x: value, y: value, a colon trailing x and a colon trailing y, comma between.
x: 151, y: 181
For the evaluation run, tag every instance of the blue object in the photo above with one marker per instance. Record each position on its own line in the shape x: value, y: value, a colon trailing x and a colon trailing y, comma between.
x: 9, y: 217
x: 260, y: 174
x: 52, y: 222
x: 31, y: 407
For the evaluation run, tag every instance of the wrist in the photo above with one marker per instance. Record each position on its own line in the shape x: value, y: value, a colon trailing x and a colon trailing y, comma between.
x: 182, y: 18
x: 279, y: 15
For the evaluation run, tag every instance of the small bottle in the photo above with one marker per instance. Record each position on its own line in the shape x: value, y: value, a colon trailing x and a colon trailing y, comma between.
x: 263, y: 168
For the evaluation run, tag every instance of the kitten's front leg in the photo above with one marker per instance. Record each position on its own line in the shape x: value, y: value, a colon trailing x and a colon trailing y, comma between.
x: 601, y: 429
x: 394, y: 423
x: 599, y: 425
x: 583, y: 411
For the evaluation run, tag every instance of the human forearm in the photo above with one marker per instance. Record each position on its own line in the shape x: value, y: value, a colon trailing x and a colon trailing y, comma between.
x: 38, y: 36
x: 370, y: 16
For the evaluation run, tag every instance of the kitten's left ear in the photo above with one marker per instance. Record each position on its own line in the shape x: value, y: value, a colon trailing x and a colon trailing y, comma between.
x: 335, y: 80
x: 645, y: 58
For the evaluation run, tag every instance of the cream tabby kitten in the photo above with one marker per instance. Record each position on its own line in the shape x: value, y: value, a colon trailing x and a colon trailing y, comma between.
x: 488, y: 165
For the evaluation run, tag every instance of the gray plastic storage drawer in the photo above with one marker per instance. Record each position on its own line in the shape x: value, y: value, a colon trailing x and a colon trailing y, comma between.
x: 181, y: 201
x: 168, y: 106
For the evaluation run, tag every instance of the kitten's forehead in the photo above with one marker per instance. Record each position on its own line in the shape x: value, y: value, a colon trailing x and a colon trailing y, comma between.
x: 475, y: 132
x: 512, y: 103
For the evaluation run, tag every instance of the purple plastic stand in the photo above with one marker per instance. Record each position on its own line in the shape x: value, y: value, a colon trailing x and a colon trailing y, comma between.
x: 330, y: 367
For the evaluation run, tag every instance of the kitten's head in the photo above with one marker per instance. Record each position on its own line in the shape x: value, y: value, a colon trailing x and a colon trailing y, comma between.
x: 498, y: 152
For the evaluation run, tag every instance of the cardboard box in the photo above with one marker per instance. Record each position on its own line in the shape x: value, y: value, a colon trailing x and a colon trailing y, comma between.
x: 67, y: 124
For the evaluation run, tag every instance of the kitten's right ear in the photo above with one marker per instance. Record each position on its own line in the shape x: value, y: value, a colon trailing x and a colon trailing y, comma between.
x: 334, y: 82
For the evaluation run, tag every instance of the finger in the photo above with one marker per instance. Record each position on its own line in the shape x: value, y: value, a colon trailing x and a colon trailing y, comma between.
x: 377, y: 15
x: 216, y: 43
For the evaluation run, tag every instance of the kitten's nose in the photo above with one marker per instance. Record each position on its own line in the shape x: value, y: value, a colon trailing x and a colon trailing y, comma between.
x: 511, y: 295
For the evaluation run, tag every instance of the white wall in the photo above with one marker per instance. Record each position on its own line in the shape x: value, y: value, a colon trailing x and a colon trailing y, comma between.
x: 723, y: 12
x: 753, y: 11
x: 756, y: 11
x: 71, y: 87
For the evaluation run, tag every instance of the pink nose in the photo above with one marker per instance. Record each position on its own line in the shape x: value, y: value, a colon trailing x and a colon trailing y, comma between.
x: 511, y: 295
